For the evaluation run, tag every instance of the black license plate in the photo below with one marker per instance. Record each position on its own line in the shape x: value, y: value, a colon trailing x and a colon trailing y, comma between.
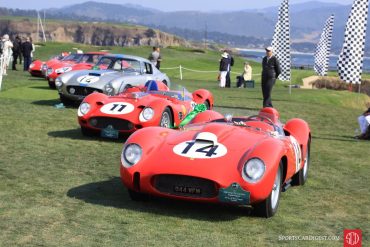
x: 187, y: 190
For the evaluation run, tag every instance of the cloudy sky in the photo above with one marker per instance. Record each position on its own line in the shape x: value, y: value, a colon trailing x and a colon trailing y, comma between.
x: 165, y: 5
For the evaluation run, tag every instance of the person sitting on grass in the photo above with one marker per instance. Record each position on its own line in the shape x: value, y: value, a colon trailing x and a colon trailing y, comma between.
x: 364, y: 122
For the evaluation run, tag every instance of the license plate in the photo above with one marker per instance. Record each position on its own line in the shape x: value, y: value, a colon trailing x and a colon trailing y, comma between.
x: 187, y: 190
x: 109, y: 132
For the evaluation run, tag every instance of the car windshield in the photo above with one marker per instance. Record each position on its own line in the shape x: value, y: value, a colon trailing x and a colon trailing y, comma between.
x: 89, y: 58
x: 72, y: 57
x: 120, y: 64
x: 176, y: 91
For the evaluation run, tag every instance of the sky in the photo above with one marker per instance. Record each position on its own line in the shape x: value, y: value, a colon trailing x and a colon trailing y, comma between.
x: 164, y: 5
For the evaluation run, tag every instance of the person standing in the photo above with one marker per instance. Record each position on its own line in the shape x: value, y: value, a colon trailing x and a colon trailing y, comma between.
x: 16, y: 51
x: 7, y: 51
x: 270, y: 71
x: 224, y: 68
x: 228, y: 80
x: 155, y: 57
x: 27, y: 50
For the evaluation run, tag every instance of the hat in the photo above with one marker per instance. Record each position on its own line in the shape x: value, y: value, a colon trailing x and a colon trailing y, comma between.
x: 225, y: 55
x: 269, y: 48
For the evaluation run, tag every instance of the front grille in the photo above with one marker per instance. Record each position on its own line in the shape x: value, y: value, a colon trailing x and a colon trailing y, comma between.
x: 185, y: 186
x: 82, y: 91
x: 116, y: 123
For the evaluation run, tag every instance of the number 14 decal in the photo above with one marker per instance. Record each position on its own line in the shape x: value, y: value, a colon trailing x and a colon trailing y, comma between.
x: 200, y: 150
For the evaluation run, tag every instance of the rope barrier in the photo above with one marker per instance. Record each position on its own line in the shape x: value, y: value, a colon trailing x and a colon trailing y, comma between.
x: 181, y: 68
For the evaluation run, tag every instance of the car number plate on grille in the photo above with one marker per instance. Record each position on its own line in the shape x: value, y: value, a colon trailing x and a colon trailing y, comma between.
x: 234, y: 194
x: 187, y: 190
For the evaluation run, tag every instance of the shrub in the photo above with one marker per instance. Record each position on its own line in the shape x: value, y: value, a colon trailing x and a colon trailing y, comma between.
x: 337, y: 84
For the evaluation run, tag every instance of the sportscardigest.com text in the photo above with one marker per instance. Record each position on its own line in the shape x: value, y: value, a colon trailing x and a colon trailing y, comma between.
x: 307, y: 238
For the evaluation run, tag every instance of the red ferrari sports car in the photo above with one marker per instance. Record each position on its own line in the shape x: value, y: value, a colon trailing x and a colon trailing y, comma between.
x: 234, y: 160
x: 83, y: 61
x: 38, y: 68
x: 138, y: 107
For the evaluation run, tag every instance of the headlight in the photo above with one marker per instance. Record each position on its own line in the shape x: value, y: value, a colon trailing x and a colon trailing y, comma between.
x: 32, y: 65
x: 109, y: 89
x: 148, y: 113
x: 58, y: 82
x: 63, y: 70
x: 83, y: 109
x: 44, y: 67
x: 49, y: 71
x: 131, y: 154
x: 253, y: 170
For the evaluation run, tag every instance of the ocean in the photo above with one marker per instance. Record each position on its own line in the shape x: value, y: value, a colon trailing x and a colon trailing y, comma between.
x: 305, y: 60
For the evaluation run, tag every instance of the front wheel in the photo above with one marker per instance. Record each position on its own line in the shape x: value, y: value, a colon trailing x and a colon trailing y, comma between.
x: 269, y: 206
x: 51, y: 84
x: 206, y: 103
x: 166, y: 119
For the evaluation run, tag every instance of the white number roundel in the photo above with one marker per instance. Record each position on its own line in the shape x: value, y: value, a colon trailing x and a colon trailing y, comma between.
x: 87, y: 79
x: 117, y: 108
x: 297, y: 152
x: 200, y: 149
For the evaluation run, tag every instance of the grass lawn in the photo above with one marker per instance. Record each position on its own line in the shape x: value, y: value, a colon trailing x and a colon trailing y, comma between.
x: 59, y: 188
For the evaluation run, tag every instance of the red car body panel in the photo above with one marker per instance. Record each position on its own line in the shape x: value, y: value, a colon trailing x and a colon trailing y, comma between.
x: 138, y: 99
x: 74, y: 65
x: 242, y: 143
x: 36, y: 66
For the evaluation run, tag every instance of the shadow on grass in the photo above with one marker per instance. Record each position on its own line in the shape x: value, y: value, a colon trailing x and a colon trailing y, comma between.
x: 46, y: 87
x: 75, y: 134
x: 336, y: 138
x: 111, y: 193
x: 50, y: 102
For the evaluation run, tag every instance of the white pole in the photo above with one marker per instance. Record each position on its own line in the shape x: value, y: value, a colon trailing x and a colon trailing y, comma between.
x: 38, y: 27
x: 180, y: 72
x: 1, y: 70
x: 43, y: 31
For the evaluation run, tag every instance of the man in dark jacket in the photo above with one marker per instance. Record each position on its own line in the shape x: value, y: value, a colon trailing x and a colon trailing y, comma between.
x: 16, y: 51
x: 27, y: 49
x: 228, y: 80
x: 270, y: 71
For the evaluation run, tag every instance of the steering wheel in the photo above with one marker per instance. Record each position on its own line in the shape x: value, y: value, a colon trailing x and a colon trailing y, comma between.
x: 262, y: 119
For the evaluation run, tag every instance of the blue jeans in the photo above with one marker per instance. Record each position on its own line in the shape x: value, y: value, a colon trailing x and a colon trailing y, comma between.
x: 26, y: 62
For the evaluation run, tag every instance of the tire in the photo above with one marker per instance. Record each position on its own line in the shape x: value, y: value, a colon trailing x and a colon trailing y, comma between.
x: 166, y: 119
x: 300, y: 178
x: 87, y: 132
x: 137, y: 196
x: 269, y: 206
x: 51, y: 84
x: 206, y: 103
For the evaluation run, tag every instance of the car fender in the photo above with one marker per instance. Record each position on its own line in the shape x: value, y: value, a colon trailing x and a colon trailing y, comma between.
x: 270, y: 151
x: 201, y: 95
x: 206, y: 116
x: 300, y: 130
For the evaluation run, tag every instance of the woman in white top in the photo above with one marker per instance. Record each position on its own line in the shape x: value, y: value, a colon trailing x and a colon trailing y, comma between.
x: 7, y: 52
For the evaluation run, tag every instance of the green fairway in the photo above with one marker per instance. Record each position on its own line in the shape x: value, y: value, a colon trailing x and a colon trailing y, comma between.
x: 59, y: 188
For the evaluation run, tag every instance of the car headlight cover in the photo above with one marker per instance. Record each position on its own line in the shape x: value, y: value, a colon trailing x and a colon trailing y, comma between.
x: 32, y: 65
x: 63, y: 70
x: 58, y: 82
x: 148, y: 113
x: 253, y: 170
x: 131, y: 154
x: 109, y: 88
x: 49, y: 71
x: 83, y: 109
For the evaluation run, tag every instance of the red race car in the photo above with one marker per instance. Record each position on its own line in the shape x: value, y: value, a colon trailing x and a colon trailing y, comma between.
x: 235, y: 160
x: 38, y: 68
x: 83, y: 61
x: 138, y: 107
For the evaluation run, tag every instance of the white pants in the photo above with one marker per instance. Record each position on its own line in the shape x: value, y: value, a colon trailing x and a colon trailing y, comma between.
x: 364, y: 122
x: 223, y: 78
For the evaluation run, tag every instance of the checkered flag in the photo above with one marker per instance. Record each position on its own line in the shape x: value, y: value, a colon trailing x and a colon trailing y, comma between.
x: 281, y: 41
x: 351, y: 58
x: 323, y: 48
